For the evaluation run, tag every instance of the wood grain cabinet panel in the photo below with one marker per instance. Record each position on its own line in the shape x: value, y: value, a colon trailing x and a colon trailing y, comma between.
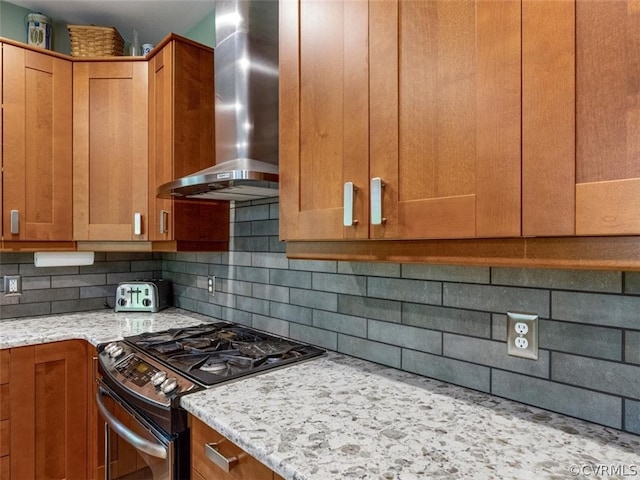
x: 424, y: 95
x: 37, y: 145
x: 49, y: 411
x: 581, y: 104
x: 5, y: 425
x: 181, y: 142
x: 245, y: 468
x: 110, y: 150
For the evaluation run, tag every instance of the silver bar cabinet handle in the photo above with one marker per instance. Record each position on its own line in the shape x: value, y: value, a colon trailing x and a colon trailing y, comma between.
x: 137, y: 223
x: 164, y: 217
x: 15, y: 222
x: 376, y: 201
x: 212, y: 453
x: 349, y: 194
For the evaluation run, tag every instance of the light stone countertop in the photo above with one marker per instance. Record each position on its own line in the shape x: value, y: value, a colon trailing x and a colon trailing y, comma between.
x: 97, y: 326
x: 338, y: 417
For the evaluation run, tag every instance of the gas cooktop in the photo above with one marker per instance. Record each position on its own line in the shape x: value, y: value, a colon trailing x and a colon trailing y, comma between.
x: 212, y: 353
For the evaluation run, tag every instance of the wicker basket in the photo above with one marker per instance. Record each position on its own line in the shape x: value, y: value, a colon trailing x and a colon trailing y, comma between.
x: 92, y: 41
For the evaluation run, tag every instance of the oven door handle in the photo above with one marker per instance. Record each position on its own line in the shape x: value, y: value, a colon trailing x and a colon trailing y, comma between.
x: 142, y: 444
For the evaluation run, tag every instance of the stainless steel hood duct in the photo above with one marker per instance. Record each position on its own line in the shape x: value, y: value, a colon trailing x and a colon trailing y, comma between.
x: 246, y: 88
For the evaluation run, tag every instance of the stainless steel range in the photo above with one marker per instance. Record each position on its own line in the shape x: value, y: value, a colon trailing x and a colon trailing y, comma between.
x: 147, y: 374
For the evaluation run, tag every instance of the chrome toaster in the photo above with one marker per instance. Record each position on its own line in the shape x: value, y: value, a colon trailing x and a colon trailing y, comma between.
x: 143, y: 296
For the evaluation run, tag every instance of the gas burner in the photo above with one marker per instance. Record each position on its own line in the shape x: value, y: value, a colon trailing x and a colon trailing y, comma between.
x: 210, y: 353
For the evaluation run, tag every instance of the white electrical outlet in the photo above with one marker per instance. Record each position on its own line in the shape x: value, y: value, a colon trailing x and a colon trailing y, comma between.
x: 211, y: 285
x: 12, y: 284
x: 522, y: 335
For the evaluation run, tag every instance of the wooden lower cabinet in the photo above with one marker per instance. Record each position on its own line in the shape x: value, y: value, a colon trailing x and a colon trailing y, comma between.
x: 245, y: 468
x: 5, y: 396
x: 48, y: 411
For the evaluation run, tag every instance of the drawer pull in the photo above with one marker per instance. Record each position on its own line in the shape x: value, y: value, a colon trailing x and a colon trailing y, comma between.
x: 212, y: 453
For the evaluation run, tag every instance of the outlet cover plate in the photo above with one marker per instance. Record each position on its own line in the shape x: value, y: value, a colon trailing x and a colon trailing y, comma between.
x: 12, y: 285
x: 517, y: 325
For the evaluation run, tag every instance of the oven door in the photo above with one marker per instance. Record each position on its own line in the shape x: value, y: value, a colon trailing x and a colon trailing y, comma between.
x: 134, y: 449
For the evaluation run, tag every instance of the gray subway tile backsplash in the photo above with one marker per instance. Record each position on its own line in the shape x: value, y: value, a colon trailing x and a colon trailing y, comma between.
x: 597, y: 309
x: 577, y: 402
x: 584, y: 280
x: 445, y: 322
x: 491, y: 298
x: 611, y: 377
x: 447, y: 369
x: 419, y: 291
x: 492, y: 354
x: 465, y: 322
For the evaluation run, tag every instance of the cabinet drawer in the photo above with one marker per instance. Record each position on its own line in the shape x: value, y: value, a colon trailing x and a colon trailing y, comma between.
x: 245, y: 468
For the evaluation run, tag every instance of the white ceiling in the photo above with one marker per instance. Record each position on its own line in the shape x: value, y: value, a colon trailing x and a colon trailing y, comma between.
x: 153, y: 19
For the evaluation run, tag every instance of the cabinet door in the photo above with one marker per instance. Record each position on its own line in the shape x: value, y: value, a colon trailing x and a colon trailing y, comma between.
x: 445, y: 81
x: 607, y: 117
x: 110, y: 150
x: 324, y: 98
x: 5, y: 429
x: 581, y: 117
x: 49, y: 411
x: 37, y: 145
x: 245, y: 468
x: 181, y: 142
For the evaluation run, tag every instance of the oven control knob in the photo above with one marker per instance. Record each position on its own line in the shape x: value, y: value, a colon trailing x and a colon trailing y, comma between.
x: 169, y: 385
x: 158, y: 378
x: 116, y: 351
x: 110, y: 347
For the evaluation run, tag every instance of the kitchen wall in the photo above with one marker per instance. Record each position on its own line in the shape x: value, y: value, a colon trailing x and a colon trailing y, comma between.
x: 53, y: 290
x: 445, y: 322
x: 12, y: 26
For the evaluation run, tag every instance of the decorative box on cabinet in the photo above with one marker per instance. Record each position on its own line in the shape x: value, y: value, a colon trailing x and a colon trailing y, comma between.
x: 416, y: 105
x: 110, y: 150
x: 37, y: 146
x: 241, y: 465
x: 181, y: 141
x: 48, y: 411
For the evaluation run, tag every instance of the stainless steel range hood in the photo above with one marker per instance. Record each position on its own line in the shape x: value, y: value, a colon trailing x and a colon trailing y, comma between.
x: 246, y: 88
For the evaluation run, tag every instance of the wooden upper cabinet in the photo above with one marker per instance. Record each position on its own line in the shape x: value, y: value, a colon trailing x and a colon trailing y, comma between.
x: 425, y: 96
x: 581, y: 125
x: 181, y: 142
x: 445, y: 117
x: 37, y: 145
x: 608, y: 117
x: 324, y: 125
x: 110, y: 150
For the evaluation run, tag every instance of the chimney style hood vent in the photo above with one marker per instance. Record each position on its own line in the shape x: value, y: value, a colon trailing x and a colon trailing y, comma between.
x: 246, y: 88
